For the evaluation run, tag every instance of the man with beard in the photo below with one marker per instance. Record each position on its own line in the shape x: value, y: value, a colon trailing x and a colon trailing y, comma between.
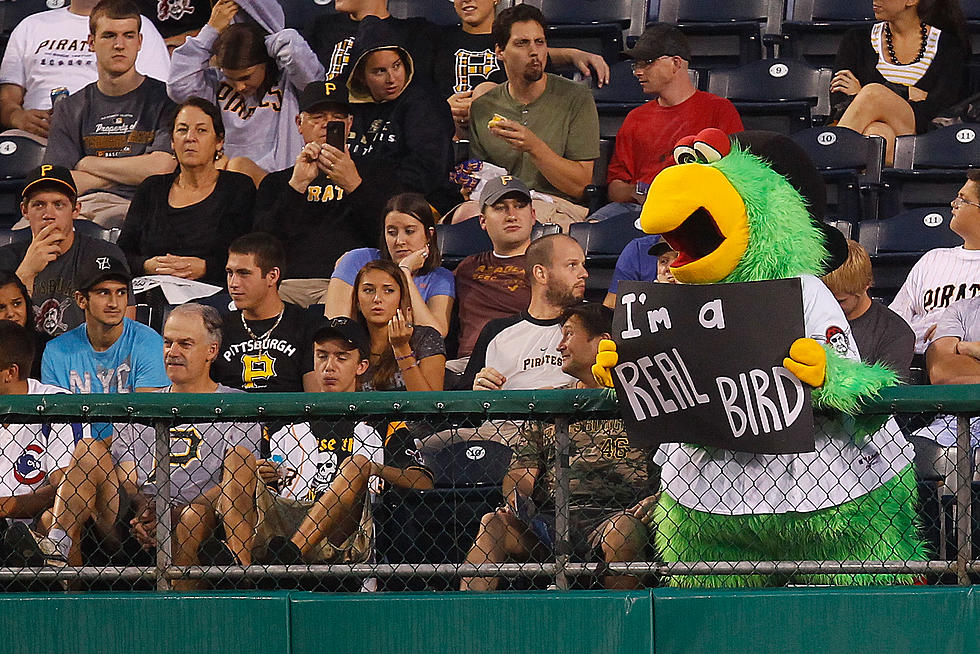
x: 540, y: 127
x: 521, y: 352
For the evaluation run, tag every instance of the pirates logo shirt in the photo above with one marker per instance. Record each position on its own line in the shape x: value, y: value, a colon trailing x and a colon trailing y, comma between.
x: 272, y: 363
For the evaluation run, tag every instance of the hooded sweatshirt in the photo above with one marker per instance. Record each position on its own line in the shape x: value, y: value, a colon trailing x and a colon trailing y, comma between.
x: 262, y: 129
x: 409, y: 138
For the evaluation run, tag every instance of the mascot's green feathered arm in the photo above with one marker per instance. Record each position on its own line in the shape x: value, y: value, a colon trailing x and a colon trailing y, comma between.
x: 849, y: 381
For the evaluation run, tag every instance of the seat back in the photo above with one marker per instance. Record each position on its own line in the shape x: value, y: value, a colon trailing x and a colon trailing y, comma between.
x: 830, y: 11
x: 911, y: 232
x: 955, y: 146
x: 439, y: 12
x: 469, y: 463
x: 18, y: 156
x: 588, y: 12
x: 458, y: 241
x: 604, y: 241
x: 88, y: 228
x: 814, y: 28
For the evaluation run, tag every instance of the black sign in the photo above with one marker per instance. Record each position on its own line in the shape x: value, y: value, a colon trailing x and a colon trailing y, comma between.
x: 703, y: 364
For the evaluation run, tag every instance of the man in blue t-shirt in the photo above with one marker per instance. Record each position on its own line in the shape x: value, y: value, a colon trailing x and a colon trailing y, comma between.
x: 109, y: 353
x: 644, y: 259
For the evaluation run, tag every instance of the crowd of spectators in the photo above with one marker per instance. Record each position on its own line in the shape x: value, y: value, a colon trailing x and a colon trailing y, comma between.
x: 299, y: 180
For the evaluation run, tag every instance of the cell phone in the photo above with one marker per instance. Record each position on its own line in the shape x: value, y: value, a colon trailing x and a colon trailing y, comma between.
x: 335, y: 134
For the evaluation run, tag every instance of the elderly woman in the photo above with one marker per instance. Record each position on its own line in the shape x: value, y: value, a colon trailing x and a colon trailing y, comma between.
x: 182, y: 223
x: 892, y: 78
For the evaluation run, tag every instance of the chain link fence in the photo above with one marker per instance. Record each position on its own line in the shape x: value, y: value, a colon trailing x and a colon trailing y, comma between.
x: 479, y: 491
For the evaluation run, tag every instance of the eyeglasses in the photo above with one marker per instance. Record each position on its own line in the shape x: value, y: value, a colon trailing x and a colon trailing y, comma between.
x: 637, y: 64
x: 958, y: 202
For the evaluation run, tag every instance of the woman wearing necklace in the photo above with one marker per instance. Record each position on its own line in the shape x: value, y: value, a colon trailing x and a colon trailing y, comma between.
x: 892, y: 78
x: 404, y: 356
x: 182, y: 223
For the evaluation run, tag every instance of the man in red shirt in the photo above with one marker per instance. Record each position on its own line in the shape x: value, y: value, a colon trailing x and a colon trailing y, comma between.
x: 646, y: 139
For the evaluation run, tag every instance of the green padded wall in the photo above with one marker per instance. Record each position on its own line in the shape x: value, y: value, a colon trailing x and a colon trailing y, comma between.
x: 146, y: 623
x: 937, y: 620
x: 570, y: 623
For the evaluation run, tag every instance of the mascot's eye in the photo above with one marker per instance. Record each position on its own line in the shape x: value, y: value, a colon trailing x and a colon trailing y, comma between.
x: 707, y: 152
x: 686, y: 154
x: 712, y: 144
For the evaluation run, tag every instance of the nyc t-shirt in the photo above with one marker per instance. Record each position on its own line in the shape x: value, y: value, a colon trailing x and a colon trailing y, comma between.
x: 134, y: 361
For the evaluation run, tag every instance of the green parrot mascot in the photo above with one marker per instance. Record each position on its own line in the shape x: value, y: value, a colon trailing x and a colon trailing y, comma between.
x: 746, y: 209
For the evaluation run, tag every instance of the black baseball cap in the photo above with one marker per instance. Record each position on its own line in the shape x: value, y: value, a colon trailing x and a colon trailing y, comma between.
x: 322, y: 93
x: 347, y: 329
x: 99, y: 269
x: 659, y: 40
x: 501, y: 186
x: 52, y: 176
x: 660, y: 247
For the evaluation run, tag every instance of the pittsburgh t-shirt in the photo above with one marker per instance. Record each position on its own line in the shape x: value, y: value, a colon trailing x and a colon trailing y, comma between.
x: 463, y: 61
x: 273, y: 363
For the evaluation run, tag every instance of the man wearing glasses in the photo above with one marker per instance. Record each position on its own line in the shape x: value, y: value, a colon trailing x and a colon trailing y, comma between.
x: 645, y: 141
x: 944, y: 275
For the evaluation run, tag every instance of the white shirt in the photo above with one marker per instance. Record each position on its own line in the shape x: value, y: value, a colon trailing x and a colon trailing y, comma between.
x: 839, y: 470
x: 50, y: 49
x: 29, y: 452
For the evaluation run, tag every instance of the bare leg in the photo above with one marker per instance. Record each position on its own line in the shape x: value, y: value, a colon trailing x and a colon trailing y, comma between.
x: 338, y: 511
x: 501, y: 536
x: 876, y: 103
x: 237, y: 502
x: 89, y: 490
x: 885, y: 131
x: 192, y: 524
x: 623, y: 539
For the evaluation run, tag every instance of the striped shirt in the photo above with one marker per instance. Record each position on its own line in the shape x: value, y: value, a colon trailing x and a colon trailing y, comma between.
x: 906, y: 74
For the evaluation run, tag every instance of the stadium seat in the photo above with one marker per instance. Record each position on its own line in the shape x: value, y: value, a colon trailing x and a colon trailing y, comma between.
x: 18, y: 156
x: 721, y: 34
x: 595, y: 193
x: 896, y: 243
x: 779, y: 95
x: 440, y: 12
x: 813, y: 28
x: 456, y: 242
x: 88, y: 228
x: 617, y: 98
x: 603, y: 242
x: 301, y: 14
x: 929, y: 168
x: 592, y: 25
x: 14, y: 11
x: 850, y: 164
x: 469, y: 464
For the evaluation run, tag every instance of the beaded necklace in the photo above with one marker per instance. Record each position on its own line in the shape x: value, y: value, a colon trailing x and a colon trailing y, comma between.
x: 923, y: 28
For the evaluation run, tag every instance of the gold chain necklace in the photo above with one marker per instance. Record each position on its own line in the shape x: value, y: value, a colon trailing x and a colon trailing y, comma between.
x: 265, y: 335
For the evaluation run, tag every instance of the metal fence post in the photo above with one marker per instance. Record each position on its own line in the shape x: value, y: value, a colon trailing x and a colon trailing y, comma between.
x: 964, y: 479
x: 162, y: 480
x: 562, y: 447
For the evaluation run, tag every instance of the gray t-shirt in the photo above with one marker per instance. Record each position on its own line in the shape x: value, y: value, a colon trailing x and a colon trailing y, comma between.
x: 91, y: 124
x: 55, y: 311
x: 197, y: 452
x: 961, y: 320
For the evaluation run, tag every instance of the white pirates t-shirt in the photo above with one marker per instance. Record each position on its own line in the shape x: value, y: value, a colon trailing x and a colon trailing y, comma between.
x: 941, y: 277
x: 50, y: 49
x: 29, y: 452
x: 838, y: 470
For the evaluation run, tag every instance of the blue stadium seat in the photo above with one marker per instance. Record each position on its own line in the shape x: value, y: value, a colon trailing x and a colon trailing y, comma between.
x: 850, y: 164
x: 595, y: 193
x: 14, y: 11
x: 896, y: 243
x: 617, y: 98
x: 467, y: 464
x: 18, y: 156
x: 722, y: 34
x: 88, y: 228
x: 813, y: 28
x: 592, y: 25
x: 301, y: 14
x: 929, y: 168
x: 440, y: 12
x: 779, y: 95
x: 456, y: 242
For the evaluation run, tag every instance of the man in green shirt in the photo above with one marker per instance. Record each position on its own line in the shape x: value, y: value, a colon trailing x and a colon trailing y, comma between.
x: 540, y: 127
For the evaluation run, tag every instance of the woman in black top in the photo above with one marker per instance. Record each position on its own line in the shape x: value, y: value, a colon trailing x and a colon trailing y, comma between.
x: 182, y: 223
x: 894, y: 77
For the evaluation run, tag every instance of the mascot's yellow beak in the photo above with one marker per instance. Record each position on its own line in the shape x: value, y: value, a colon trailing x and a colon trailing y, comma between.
x: 702, y: 217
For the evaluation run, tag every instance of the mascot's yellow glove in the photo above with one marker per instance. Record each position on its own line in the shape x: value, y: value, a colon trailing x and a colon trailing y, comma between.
x: 605, y: 360
x: 807, y: 360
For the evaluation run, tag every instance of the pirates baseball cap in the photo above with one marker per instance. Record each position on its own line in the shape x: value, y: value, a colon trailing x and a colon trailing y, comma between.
x: 347, y: 329
x: 659, y: 40
x: 504, y: 185
x: 321, y: 93
x: 52, y: 176
x: 100, y: 269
